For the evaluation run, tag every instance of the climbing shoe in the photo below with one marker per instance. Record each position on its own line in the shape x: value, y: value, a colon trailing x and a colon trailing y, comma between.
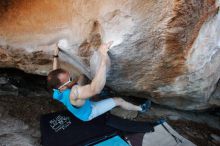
x: 145, y: 106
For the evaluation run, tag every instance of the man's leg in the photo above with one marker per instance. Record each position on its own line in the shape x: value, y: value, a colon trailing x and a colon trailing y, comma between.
x: 126, y: 105
x: 101, y: 107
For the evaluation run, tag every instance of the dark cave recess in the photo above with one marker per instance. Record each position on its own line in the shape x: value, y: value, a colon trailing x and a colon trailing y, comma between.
x: 16, y: 82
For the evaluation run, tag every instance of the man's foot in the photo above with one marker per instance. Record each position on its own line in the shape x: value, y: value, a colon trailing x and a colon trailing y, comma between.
x: 145, y: 106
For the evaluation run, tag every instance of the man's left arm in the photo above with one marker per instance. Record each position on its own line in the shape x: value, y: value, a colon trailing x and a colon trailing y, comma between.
x: 55, y: 58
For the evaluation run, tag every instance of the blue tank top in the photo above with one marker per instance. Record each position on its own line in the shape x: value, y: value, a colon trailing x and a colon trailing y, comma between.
x: 81, y: 113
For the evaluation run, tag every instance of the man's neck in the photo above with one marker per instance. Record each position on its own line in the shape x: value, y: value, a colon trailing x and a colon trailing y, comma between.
x: 72, y: 84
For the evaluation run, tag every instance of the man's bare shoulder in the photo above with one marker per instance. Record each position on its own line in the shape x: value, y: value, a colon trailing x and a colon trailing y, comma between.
x: 74, y: 93
x: 74, y: 97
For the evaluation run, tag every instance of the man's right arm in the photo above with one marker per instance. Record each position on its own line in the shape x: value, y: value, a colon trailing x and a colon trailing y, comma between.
x: 97, y: 84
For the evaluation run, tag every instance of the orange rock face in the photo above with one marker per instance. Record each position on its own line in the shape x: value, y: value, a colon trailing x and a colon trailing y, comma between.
x: 165, y: 50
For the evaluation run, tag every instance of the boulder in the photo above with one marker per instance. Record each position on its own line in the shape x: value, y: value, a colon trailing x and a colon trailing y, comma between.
x: 164, y: 50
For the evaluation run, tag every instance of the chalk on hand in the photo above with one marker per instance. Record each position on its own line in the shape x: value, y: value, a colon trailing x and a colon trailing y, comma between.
x: 63, y: 44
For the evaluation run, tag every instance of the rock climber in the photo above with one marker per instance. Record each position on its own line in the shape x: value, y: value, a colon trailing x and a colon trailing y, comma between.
x: 76, y: 95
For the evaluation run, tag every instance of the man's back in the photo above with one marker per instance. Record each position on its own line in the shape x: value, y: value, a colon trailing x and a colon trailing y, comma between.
x: 81, y: 112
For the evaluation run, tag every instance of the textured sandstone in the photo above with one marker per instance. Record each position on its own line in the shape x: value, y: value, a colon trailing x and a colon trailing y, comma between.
x: 168, y: 50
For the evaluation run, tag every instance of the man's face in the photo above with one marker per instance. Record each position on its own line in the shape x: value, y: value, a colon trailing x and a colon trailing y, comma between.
x: 64, y: 77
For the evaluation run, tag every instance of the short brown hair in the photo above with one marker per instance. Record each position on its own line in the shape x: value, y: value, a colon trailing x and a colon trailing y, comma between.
x: 53, y: 81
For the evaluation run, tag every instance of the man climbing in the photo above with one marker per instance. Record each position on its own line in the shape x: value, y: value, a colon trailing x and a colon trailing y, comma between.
x: 76, y: 96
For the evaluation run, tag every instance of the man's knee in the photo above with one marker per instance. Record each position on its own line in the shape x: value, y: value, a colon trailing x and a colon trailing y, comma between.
x: 118, y: 100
